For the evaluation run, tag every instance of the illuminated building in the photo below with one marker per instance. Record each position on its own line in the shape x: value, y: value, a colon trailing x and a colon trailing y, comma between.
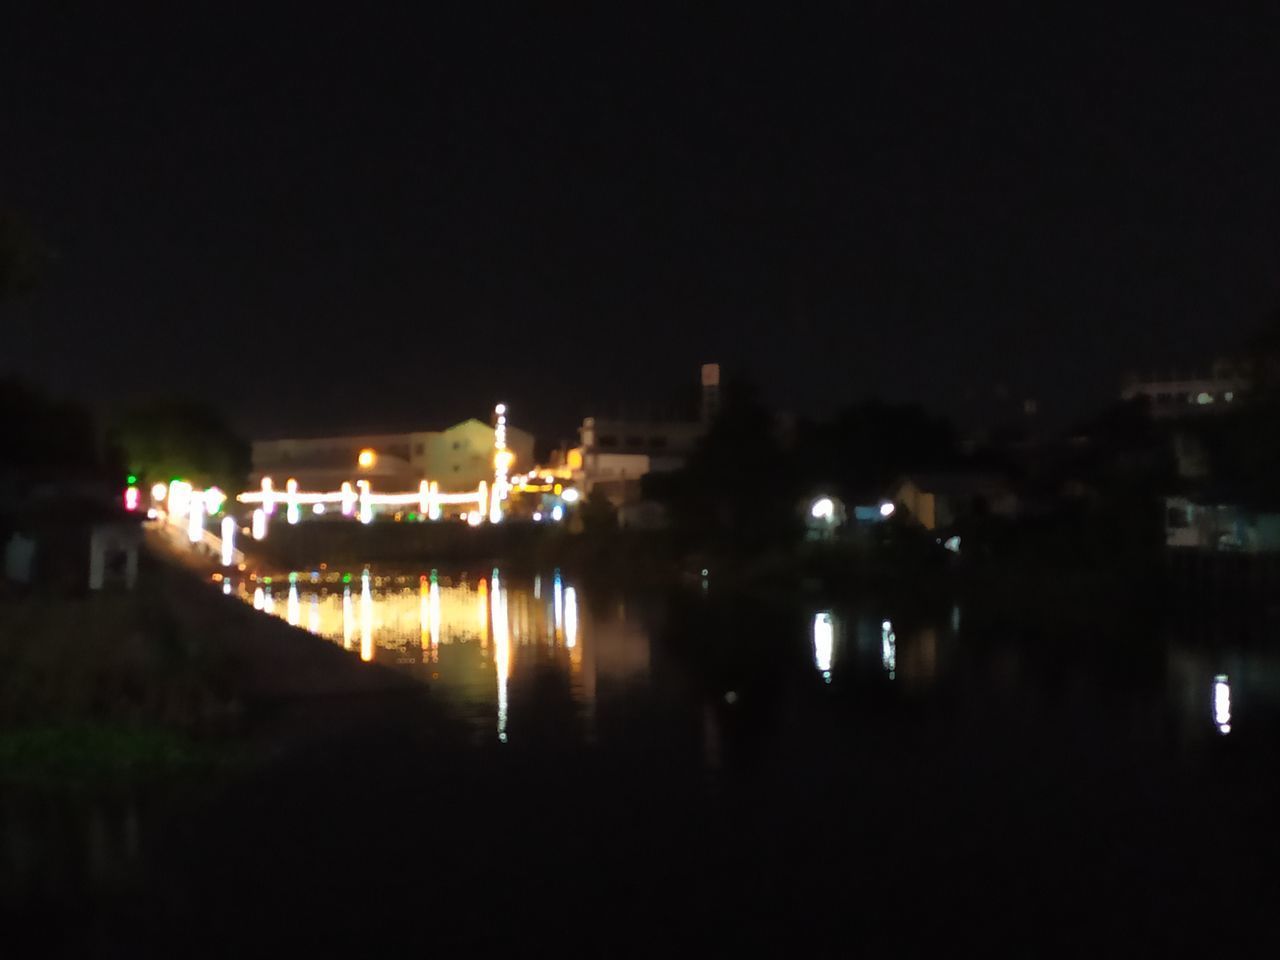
x: 457, y: 458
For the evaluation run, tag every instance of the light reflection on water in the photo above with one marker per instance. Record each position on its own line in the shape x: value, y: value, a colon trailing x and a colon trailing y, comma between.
x: 483, y: 640
x: 456, y: 632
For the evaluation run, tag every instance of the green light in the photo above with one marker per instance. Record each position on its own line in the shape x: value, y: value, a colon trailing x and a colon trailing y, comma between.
x: 267, y: 581
x: 346, y: 578
x: 413, y: 516
x: 293, y: 577
x: 433, y: 576
x: 131, y: 479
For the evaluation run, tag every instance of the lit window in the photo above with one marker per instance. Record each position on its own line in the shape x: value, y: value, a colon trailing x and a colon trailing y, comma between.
x: 1204, y: 398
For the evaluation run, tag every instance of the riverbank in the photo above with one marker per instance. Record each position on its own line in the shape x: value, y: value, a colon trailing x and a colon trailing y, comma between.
x: 117, y: 688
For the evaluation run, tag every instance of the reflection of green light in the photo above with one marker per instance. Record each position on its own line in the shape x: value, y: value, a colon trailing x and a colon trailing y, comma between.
x: 433, y: 575
x: 413, y: 516
x: 293, y: 577
x: 266, y: 580
x: 346, y: 578
x: 132, y: 478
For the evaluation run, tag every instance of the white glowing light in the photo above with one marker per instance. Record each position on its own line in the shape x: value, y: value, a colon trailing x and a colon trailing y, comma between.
x: 823, y: 643
x: 293, y: 613
x: 159, y: 491
x: 131, y: 498
x: 570, y: 617
x: 346, y: 617
x: 1222, y: 703
x: 502, y: 461
x: 366, y: 618
x: 475, y: 518
x: 226, y: 587
x: 823, y: 509
x: 228, y: 540
x: 889, y: 649
x: 537, y: 516
x: 952, y: 544
x: 313, y: 615
x: 317, y: 509
x: 501, y: 649
x: 433, y: 501
x: 557, y: 604
x: 195, y: 520
x: 366, y: 506
x: 348, y: 497
x: 886, y: 509
x: 259, y: 598
x: 1204, y: 398
x: 268, y: 499
x: 259, y: 523
x: 269, y: 602
x: 152, y: 513
x: 367, y: 458
x: 291, y: 497
x: 557, y: 513
x: 179, y: 499
x: 213, y: 500
x: 570, y: 495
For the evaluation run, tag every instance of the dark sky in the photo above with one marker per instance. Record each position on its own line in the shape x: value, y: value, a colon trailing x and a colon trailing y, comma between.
x: 361, y: 221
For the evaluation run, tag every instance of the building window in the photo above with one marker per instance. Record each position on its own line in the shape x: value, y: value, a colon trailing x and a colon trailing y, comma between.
x: 658, y: 443
x: 419, y: 449
x: 1177, y: 518
x: 455, y: 468
x: 635, y: 441
x: 608, y: 440
x: 457, y: 444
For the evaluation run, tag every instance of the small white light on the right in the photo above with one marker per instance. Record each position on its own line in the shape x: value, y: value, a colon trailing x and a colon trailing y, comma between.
x: 1222, y: 703
x: 822, y: 508
x: 886, y: 509
x: 570, y: 495
x: 537, y: 516
x: 557, y: 513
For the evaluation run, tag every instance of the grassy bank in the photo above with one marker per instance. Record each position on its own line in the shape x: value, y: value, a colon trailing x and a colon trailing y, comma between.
x: 170, y: 679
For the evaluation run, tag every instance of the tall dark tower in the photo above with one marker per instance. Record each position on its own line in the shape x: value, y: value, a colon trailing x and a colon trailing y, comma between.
x: 710, y: 392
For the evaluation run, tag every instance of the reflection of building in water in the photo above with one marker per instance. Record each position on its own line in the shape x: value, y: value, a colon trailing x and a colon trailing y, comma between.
x: 478, y: 640
x: 913, y: 657
x: 823, y: 643
x: 1222, y: 703
x: 889, y: 649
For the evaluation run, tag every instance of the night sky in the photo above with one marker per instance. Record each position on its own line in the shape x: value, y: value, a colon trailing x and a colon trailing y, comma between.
x: 376, y: 221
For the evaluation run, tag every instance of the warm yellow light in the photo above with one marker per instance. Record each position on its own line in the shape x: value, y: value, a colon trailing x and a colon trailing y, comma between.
x: 159, y: 491
x: 574, y: 460
x: 367, y: 458
x: 503, y: 460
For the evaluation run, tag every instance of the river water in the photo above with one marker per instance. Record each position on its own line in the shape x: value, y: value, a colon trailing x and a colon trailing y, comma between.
x: 507, y: 651
x: 728, y: 770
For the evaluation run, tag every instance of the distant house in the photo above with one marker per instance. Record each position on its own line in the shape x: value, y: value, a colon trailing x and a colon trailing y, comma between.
x: 1179, y: 396
x: 938, y: 500
x: 616, y: 453
x: 1220, y: 527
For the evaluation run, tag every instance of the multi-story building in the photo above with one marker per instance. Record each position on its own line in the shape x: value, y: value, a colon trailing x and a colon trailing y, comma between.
x: 1175, y: 396
x: 616, y: 453
x: 457, y: 458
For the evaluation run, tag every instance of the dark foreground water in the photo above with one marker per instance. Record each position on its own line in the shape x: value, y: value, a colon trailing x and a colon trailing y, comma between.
x: 599, y: 772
